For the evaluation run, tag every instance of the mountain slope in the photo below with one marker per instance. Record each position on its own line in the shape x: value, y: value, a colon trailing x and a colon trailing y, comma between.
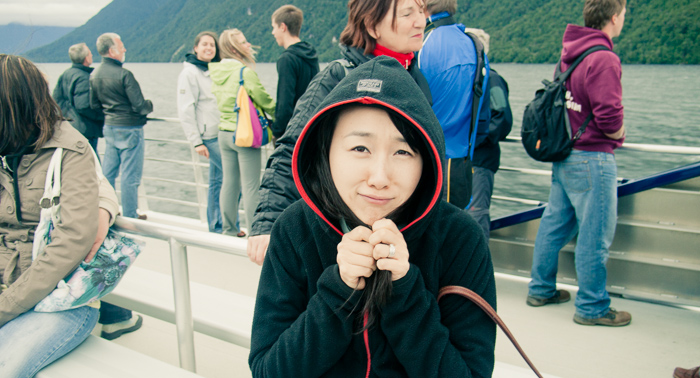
x: 522, y: 31
x: 17, y: 38
x: 120, y: 16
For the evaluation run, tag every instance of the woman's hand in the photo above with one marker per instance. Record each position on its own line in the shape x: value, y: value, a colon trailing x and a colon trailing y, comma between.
x: 355, y: 258
x: 385, y: 233
x: 202, y: 150
x: 102, y: 228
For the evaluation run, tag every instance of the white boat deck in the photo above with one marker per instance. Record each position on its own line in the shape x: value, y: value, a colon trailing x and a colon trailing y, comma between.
x: 659, y: 338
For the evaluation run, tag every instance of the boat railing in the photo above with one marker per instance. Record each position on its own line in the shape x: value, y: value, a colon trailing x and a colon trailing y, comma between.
x: 179, y: 239
x: 191, y: 162
x: 652, y: 148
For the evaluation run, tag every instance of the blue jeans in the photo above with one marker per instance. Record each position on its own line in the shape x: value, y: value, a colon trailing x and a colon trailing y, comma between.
x: 124, y: 148
x: 583, y: 200
x: 33, y: 340
x: 216, y: 175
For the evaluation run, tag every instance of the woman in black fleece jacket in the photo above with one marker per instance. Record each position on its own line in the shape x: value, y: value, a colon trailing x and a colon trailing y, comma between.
x: 381, y: 185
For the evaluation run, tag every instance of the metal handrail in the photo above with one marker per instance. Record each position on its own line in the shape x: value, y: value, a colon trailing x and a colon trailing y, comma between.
x: 661, y: 148
x: 179, y: 238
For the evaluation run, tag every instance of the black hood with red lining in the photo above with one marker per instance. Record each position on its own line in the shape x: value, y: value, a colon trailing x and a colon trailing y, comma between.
x: 381, y: 82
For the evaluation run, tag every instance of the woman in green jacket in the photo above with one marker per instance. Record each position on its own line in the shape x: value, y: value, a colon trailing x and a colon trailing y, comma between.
x: 241, y: 165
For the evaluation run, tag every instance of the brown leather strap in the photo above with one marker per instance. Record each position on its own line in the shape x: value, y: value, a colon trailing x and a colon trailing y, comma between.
x: 474, y: 297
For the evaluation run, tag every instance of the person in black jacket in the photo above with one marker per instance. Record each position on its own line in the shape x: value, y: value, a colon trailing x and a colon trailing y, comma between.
x: 487, y: 155
x: 374, y: 28
x: 297, y: 65
x: 72, y: 93
x: 368, y: 167
x: 116, y: 91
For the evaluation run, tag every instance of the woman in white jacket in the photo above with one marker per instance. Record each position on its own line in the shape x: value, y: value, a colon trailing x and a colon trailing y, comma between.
x: 199, y: 116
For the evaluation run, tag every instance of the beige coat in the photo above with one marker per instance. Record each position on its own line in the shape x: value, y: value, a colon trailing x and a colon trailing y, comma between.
x: 29, y: 282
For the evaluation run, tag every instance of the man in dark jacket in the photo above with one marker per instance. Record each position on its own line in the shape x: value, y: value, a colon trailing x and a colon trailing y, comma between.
x: 72, y: 93
x: 297, y: 65
x: 487, y: 155
x: 116, y: 91
x: 118, y: 94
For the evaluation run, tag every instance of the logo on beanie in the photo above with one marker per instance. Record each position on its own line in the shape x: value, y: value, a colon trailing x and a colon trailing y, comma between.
x: 369, y: 85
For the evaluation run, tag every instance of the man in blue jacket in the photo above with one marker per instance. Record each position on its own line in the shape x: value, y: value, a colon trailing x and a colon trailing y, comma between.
x: 72, y: 93
x: 448, y: 60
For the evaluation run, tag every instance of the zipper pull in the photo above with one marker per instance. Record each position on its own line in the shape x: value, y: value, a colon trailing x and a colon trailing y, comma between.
x: 6, y: 166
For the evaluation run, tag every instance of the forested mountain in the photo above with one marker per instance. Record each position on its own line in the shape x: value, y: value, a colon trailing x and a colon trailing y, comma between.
x: 522, y: 31
x: 18, y: 38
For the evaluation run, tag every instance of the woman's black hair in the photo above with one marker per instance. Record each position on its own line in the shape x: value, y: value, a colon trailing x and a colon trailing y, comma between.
x: 320, y: 187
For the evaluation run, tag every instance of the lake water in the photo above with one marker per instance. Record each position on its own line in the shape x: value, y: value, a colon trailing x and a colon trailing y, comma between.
x: 662, y: 106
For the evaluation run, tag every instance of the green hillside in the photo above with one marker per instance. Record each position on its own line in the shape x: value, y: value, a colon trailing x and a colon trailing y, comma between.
x: 522, y: 31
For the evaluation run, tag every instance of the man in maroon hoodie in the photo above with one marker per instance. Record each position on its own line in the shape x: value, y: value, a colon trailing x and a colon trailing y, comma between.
x: 583, y: 196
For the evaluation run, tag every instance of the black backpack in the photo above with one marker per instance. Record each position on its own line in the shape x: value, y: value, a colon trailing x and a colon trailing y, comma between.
x: 546, y: 131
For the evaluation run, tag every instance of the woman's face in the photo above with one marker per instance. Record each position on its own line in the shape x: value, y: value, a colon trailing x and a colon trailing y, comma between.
x: 205, y: 49
x: 373, y: 168
x: 245, y: 45
x: 410, y: 23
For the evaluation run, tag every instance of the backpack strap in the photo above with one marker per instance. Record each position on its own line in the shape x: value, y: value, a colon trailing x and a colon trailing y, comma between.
x: 562, y: 76
x: 478, y: 89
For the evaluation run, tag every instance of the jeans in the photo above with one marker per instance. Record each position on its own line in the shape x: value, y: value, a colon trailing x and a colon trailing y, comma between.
x: 482, y: 189
x: 215, y: 179
x: 124, y: 148
x: 110, y: 314
x: 583, y: 200
x: 241, y: 166
x: 33, y: 340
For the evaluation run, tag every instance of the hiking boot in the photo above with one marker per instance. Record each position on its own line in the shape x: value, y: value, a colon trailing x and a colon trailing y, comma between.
x: 560, y: 296
x: 612, y: 319
x: 687, y: 373
x: 112, y: 331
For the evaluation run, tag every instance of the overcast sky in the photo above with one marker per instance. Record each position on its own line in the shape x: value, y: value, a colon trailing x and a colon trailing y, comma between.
x: 49, y: 12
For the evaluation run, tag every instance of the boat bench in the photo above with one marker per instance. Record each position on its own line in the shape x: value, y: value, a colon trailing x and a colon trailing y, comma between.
x: 218, y: 313
x: 99, y: 358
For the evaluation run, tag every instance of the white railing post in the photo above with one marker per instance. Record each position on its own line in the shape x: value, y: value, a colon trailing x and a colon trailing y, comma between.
x: 183, y: 305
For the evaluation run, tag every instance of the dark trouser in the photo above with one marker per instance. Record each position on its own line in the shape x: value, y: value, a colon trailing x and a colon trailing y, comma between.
x: 457, y: 183
x: 93, y: 144
x: 110, y: 314
x: 482, y: 190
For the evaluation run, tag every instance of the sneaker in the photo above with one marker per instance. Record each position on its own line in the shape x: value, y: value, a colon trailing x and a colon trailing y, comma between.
x: 112, y: 331
x: 687, y: 373
x: 142, y: 216
x: 612, y: 319
x: 560, y: 296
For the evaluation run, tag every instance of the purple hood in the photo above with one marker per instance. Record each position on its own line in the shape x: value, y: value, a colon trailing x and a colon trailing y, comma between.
x: 595, y: 86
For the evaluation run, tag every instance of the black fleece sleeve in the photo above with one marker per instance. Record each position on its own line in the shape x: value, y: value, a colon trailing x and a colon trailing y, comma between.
x: 295, y: 335
x: 454, y: 338
x: 277, y: 190
x: 287, y: 71
x: 81, y: 100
